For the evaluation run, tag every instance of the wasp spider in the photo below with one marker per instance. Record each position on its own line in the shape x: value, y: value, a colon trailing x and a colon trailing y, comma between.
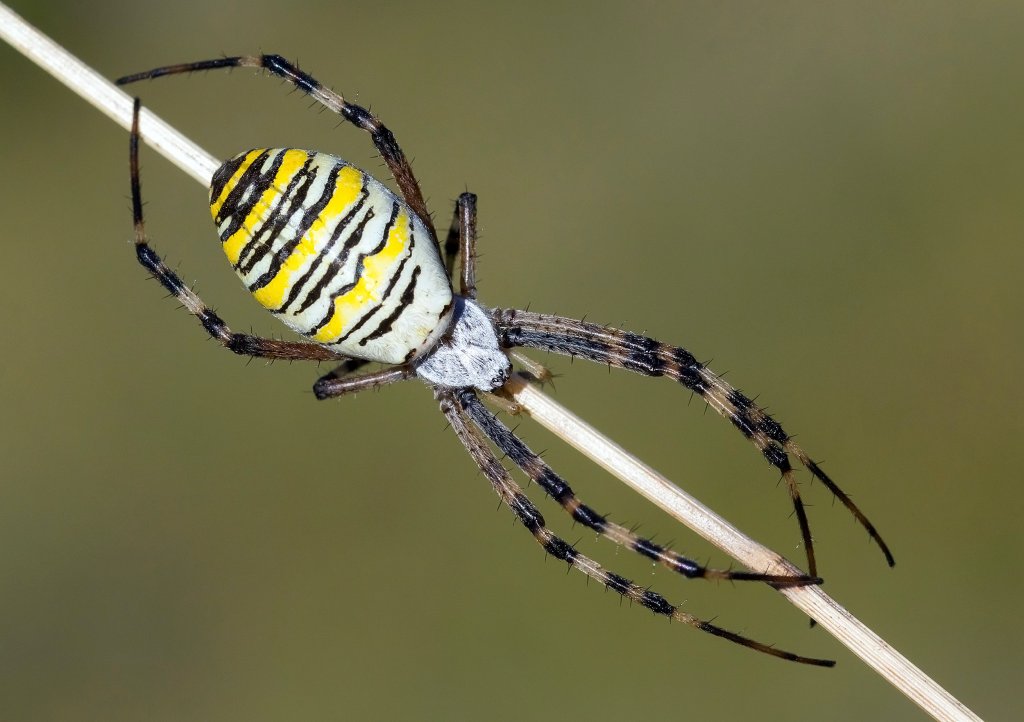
x: 358, y: 272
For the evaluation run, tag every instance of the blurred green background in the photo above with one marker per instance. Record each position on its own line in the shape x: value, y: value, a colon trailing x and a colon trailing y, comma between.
x: 823, y: 198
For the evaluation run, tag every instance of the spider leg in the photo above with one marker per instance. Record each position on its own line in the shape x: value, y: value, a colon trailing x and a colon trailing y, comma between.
x: 240, y: 343
x: 382, y: 138
x: 461, y: 239
x: 528, y: 515
x: 556, y: 487
x: 451, y: 241
x: 531, y: 369
x: 339, y: 381
x: 345, y: 368
x: 652, y: 358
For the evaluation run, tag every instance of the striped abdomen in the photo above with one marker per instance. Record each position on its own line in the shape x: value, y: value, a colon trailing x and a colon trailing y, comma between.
x: 332, y: 252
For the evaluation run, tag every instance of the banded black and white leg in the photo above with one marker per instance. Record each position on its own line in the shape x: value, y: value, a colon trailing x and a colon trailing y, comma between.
x: 652, y: 358
x: 461, y: 242
x: 240, y: 343
x: 557, y: 488
x: 383, y: 139
x: 454, y: 404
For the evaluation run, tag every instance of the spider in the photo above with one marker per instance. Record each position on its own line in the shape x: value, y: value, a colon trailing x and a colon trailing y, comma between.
x: 358, y: 271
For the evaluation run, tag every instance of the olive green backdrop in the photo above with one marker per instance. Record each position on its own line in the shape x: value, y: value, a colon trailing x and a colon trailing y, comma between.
x: 823, y: 198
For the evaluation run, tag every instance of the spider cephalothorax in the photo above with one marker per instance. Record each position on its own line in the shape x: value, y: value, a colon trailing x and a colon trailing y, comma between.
x: 358, y: 271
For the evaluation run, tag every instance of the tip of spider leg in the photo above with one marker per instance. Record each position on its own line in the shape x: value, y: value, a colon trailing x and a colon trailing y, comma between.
x: 797, y: 581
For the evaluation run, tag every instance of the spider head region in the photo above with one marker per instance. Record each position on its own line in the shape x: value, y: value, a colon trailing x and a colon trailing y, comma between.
x: 468, y: 354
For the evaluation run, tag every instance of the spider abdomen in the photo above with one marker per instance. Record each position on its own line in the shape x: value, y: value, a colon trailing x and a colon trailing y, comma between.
x: 332, y: 252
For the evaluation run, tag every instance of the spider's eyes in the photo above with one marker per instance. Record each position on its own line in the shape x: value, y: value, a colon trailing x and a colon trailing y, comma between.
x: 502, y: 376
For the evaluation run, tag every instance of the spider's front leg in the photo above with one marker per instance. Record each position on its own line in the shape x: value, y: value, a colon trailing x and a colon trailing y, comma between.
x: 512, y: 496
x: 556, y: 487
x: 652, y: 358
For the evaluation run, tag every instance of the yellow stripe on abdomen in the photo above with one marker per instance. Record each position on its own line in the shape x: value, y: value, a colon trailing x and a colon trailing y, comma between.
x: 348, y: 186
x: 291, y: 162
x: 376, y: 270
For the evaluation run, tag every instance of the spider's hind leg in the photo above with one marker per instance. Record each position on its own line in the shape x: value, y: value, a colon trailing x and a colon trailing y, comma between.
x: 383, y: 139
x: 240, y: 343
